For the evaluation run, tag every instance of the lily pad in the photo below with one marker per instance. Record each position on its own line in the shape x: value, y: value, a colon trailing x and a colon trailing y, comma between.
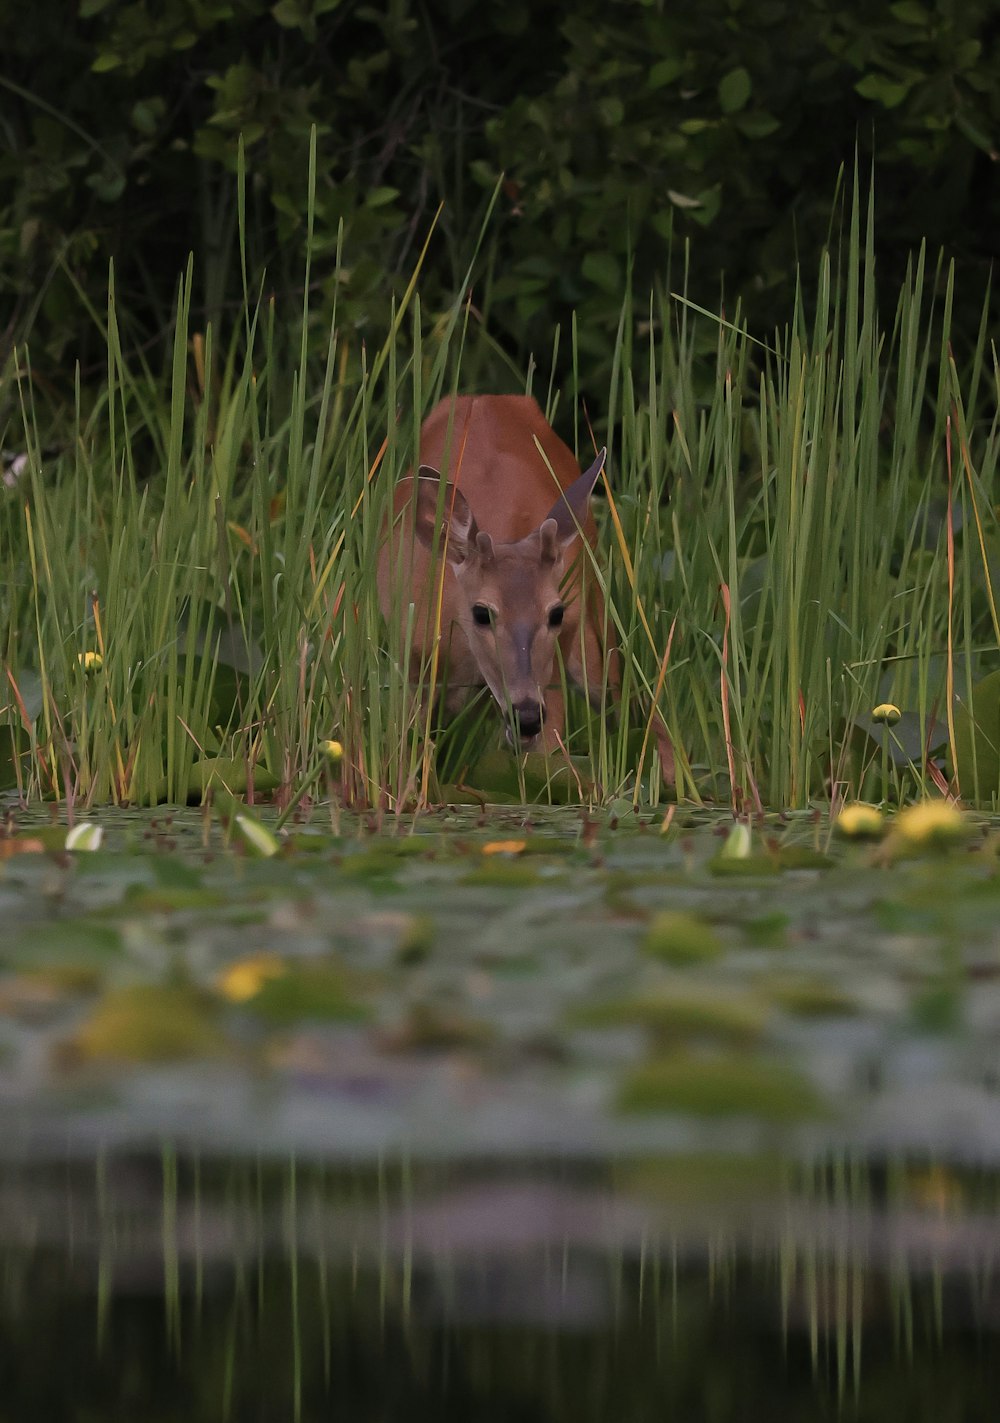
x: 311, y: 991
x: 680, y: 938
x: 977, y: 741
x: 147, y: 1023
x: 546, y: 778
x: 809, y: 996
x: 725, y: 1086
x: 672, y: 1015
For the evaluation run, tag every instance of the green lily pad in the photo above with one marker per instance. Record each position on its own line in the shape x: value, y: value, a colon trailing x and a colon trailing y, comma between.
x: 64, y: 943
x: 681, y: 938
x: 727, y: 1086
x: 977, y: 741
x: 147, y: 1023
x: 809, y: 996
x: 225, y: 775
x: 311, y: 991
x: 515, y: 874
x: 546, y: 778
x: 767, y: 931
x: 672, y: 1016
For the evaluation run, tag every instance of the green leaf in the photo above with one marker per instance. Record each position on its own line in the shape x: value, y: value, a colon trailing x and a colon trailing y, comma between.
x: 150, y: 1023
x: 977, y: 741
x: 289, y: 14
x: 84, y: 836
x: 104, y: 62
x: 612, y: 111
x: 729, y: 1085
x: 887, y: 92
x: 734, y: 90
x: 737, y: 843
x: 908, y: 12
x: 256, y: 835
x: 757, y: 124
x: 664, y: 72
x: 603, y: 270
x: 146, y: 115
x: 379, y: 197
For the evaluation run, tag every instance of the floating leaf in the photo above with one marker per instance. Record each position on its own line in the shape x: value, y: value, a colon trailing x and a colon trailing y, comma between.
x: 149, y: 1023
x: 977, y: 741
x: 671, y: 1014
x: 322, y: 990
x: 681, y: 938
x: 719, y: 1087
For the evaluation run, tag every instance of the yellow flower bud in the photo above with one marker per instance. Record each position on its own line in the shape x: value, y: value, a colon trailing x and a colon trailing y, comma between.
x: 931, y: 823
x: 860, y: 821
x: 244, y: 979
x: 90, y: 661
x: 886, y: 712
x: 332, y: 750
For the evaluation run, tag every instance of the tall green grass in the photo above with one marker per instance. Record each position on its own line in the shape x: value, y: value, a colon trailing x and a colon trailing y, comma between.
x: 809, y: 532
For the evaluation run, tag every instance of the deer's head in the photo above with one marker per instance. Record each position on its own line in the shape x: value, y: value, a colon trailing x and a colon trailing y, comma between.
x: 510, y: 604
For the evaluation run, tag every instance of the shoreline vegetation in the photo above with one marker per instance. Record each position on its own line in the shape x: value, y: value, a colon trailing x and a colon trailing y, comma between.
x: 796, y: 534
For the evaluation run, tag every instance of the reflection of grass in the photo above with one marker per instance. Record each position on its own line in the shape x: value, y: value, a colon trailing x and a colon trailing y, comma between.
x: 192, y: 581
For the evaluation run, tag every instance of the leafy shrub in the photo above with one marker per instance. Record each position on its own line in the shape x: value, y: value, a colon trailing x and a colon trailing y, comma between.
x: 622, y: 129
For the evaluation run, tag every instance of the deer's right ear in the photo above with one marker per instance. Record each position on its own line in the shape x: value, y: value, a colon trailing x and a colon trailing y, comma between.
x: 443, y: 519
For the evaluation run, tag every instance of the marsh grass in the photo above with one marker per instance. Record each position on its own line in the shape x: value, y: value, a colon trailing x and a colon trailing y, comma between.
x: 809, y: 532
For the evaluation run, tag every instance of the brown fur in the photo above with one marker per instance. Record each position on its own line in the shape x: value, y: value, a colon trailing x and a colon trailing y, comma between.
x: 504, y: 545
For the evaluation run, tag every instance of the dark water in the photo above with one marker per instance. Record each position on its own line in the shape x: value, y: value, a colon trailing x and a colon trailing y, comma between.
x: 163, y: 1288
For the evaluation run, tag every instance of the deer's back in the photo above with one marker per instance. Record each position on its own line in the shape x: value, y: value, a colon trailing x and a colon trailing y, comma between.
x: 487, y: 448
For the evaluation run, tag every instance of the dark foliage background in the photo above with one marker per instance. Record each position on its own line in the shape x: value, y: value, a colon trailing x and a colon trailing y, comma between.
x: 623, y: 127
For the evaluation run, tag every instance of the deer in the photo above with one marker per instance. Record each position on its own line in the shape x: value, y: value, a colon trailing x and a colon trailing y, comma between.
x: 486, y: 541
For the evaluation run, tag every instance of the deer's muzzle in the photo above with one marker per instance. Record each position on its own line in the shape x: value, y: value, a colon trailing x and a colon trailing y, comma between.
x: 526, y: 720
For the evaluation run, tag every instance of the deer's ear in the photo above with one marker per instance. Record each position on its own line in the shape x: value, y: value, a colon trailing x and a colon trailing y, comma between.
x: 570, y: 509
x: 548, y: 539
x: 443, y: 519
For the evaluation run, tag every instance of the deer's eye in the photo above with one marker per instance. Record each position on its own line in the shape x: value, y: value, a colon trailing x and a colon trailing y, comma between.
x: 556, y: 616
x: 482, y: 616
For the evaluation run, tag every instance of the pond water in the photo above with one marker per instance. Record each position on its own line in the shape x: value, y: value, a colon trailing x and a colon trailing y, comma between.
x: 507, y: 1114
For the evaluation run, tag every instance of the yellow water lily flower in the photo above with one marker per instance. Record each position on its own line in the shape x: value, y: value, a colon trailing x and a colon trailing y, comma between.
x: 887, y: 712
x: 332, y: 750
x: 244, y: 979
x: 90, y: 661
x: 860, y: 821
x: 932, y: 822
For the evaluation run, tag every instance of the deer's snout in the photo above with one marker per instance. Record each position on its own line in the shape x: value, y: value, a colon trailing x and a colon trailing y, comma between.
x: 527, y: 719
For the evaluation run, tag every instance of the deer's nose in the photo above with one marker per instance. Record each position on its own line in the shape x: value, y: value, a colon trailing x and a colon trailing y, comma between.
x: 527, y: 719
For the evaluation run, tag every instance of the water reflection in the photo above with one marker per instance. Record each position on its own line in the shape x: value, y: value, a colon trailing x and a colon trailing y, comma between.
x: 179, y: 1287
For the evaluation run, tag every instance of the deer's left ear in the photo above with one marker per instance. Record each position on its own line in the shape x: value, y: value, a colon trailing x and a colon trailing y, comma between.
x: 570, y: 509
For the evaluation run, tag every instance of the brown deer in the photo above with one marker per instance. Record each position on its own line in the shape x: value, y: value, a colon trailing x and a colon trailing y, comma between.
x: 494, y: 564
